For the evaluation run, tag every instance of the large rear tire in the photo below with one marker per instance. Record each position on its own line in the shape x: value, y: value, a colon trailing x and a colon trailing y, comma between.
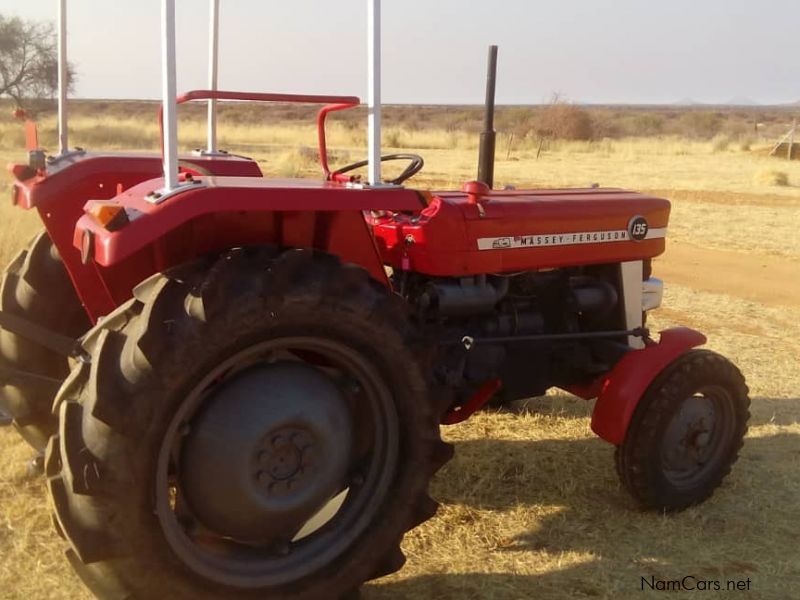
x: 181, y: 468
x: 686, y: 433
x: 36, y: 286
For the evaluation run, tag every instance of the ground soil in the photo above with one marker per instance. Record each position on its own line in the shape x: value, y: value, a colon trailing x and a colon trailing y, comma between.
x: 770, y: 280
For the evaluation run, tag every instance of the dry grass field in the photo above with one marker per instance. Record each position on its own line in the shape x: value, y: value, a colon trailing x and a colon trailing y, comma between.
x: 531, y: 507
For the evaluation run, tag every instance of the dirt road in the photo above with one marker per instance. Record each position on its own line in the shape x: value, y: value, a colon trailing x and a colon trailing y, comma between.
x: 770, y: 280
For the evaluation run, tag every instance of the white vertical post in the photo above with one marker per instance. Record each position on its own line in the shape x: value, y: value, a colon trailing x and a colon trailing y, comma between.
x: 63, y: 79
x: 213, y: 69
x: 169, y: 93
x: 374, y: 90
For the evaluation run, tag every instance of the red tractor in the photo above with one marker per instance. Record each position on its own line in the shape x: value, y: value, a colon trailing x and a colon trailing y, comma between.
x: 255, y: 408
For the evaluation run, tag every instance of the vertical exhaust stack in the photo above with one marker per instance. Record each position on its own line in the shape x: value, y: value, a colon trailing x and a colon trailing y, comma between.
x: 489, y: 135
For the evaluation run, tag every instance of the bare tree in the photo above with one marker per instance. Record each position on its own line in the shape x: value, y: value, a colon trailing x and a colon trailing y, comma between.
x: 28, y: 60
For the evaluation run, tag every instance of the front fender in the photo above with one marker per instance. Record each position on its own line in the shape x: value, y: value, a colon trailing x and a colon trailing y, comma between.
x: 623, y: 387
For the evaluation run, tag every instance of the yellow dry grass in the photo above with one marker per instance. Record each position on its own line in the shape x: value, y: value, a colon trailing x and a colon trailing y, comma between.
x: 531, y: 507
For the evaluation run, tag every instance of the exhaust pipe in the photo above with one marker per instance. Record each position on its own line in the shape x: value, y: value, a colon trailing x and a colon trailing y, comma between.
x: 489, y: 135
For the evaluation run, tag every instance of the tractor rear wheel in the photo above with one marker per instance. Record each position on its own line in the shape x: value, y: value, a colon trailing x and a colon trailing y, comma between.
x: 36, y: 286
x: 256, y: 426
x: 686, y: 432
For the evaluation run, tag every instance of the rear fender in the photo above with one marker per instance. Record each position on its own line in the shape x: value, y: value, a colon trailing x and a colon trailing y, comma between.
x: 79, y: 176
x: 218, y: 213
x: 621, y: 389
x: 60, y: 192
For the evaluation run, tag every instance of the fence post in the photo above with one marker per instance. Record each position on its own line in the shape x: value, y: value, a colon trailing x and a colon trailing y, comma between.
x: 789, y: 152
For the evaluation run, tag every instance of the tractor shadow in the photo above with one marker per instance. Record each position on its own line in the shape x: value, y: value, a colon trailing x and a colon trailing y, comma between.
x: 777, y: 411
x: 774, y: 411
x: 561, y: 497
x: 560, y: 404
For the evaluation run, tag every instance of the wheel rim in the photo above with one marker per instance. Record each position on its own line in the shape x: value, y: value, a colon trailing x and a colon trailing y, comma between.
x: 698, y: 437
x: 226, y: 551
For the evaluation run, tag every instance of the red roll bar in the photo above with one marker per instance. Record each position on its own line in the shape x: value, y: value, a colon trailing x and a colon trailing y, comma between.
x: 332, y: 104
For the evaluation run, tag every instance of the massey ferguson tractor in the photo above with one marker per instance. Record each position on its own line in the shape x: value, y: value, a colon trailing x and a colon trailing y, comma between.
x: 240, y: 380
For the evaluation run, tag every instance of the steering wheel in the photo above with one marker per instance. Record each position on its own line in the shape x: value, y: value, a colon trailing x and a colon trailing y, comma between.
x: 412, y: 169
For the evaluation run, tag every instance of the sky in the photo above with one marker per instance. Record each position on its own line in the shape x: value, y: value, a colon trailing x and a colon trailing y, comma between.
x: 434, y: 51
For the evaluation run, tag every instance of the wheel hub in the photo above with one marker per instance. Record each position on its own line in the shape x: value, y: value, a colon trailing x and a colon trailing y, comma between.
x: 286, y: 457
x: 688, y: 440
x: 268, y: 449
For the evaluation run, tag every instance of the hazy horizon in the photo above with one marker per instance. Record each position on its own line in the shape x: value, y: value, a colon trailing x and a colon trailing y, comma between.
x: 663, y: 105
x: 604, y: 52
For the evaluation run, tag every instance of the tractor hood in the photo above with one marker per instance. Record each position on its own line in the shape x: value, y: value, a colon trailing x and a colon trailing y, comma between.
x: 482, y: 231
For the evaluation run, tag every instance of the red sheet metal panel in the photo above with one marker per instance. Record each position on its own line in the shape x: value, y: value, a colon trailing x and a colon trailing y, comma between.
x: 60, y: 195
x: 519, y: 230
x: 623, y: 387
x: 228, y: 195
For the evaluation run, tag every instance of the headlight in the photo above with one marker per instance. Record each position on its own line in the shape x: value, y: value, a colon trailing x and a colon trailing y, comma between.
x: 652, y: 293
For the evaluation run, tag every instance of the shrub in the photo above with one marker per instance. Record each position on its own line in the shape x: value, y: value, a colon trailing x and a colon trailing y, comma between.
x: 647, y: 124
x: 606, y: 128
x: 564, y: 121
x: 772, y: 177
x: 701, y: 124
x: 515, y: 119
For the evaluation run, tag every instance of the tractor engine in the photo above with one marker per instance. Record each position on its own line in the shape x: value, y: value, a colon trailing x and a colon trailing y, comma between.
x: 534, y: 288
x: 525, y: 329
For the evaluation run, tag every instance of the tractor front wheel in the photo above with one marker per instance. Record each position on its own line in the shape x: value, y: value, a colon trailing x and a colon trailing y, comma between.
x: 258, y: 426
x: 686, y: 432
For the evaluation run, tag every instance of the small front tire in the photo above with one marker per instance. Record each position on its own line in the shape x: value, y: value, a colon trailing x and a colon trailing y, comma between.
x: 686, y: 432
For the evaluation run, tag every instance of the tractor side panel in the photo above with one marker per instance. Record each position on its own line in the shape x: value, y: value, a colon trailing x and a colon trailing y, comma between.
x: 622, y: 388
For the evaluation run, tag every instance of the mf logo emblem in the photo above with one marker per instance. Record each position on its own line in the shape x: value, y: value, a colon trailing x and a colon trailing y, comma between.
x: 638, y: 228
x: 502, y: 243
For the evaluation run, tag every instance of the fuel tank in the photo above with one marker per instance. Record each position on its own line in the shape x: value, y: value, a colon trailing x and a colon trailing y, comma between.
x: 503, y: 231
